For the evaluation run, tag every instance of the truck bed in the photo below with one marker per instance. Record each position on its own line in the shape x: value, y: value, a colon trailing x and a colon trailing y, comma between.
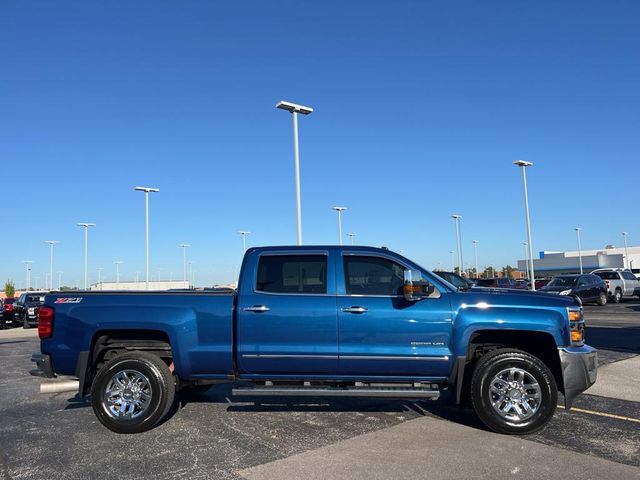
x: 197, y: 324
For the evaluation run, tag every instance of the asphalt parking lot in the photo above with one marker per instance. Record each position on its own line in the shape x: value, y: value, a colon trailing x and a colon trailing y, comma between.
x: 216, y: 436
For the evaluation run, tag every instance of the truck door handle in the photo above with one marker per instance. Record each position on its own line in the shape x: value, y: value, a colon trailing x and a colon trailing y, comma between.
x: 355, y: 310
x: 257, y: 309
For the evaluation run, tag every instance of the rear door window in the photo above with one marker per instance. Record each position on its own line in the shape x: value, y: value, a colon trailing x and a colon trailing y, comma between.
x: 293, y: 274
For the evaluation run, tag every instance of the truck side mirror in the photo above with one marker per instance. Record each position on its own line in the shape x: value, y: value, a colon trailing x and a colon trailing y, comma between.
x: 416, y: 287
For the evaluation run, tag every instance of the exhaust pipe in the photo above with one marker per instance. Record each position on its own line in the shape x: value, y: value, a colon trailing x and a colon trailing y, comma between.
x: 59, y: 387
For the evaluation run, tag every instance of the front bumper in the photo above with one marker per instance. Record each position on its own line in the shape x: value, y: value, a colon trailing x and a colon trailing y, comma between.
x: 579, y: 370
x: 43, y: 362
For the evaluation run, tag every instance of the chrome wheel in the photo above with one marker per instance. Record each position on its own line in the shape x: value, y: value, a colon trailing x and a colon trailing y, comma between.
x: 515, y: 394
x: 127, y: 395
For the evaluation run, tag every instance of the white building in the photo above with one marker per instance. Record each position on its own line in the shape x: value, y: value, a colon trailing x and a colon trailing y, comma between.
x: 134, y: 286
x: 558, y: 263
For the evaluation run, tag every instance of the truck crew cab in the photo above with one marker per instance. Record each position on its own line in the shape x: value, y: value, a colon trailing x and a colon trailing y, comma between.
x: 321, y: 321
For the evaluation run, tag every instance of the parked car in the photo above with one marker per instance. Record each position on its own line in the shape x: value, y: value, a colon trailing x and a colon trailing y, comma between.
x: 500, y: 282
x: 523, y: 284
x: 588, y: 287
x: 455, y: 279
x: 320, y: 321
x: 8, y: 316
x: 27, y: 305
x: 620, y: 283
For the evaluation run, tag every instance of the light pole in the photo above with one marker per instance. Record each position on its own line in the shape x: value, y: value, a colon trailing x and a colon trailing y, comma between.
x: 456, y: 219
x: 475, y: 253
x: 100, y: 277
x: 86, y: 249
x: 524, y: 164
x: 351, y: 236
x: 190, y: 274
x: 626, y: 252
x: 184, y: 247
x: 453, y: 262
x: 60, y: 279
x: 117, y: 263
x: 146, y: 191
x: 339, y: 210
x: 27, y: 264
x: 578, y: 230
x: 243, y: 234
x: 51, y: 244
x: 526, y: 259
x: 295, y: 109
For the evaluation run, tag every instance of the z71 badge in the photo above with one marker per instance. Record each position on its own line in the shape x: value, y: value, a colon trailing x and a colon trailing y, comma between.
x: 68, y: 300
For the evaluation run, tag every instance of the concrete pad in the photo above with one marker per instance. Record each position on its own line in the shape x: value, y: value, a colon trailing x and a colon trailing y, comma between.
x: 437, y: 449
x: 618, y: 380
x: 18, y: 332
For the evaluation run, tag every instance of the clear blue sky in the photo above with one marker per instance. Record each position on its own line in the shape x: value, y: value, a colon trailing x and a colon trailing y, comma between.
x: 420, y: 109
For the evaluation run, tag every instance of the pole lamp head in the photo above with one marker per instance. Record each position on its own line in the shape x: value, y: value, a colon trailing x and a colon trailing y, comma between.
x: 523, y: 163
x: 147, y: 189
x: 456, y: 217
x: 339, y: 209
x: 294, y: 107
x: 86, y: 225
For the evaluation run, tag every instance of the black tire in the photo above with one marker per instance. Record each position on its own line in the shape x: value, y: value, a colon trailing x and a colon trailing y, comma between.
x: 162, y: 392
x: 25, y: 323
x: 617, y: 296
x: 498, y: 361
x: 602, y: 299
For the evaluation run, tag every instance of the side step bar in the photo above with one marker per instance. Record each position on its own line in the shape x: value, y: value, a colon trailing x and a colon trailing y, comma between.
x: 284, y: 391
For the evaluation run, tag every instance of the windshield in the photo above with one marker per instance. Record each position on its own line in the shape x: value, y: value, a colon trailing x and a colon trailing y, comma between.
x: 35, y: 298
x: 453, y: 279
x: 563, y: 282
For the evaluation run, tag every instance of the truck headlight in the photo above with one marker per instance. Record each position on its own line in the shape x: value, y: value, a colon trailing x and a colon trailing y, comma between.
x: 565, y: 292
x: 576, y: 326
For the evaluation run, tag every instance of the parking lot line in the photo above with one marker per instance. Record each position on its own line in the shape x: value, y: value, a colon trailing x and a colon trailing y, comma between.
x: 602, y: 414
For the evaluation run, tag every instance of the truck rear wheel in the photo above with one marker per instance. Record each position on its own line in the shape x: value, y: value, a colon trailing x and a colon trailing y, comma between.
x: 513, y: 392
x: 617, y: 296
x: 132, y: 392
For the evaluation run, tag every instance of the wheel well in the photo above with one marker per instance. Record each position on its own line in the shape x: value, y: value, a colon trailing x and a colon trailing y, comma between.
x: 108, y: 344
x: 539, y: 344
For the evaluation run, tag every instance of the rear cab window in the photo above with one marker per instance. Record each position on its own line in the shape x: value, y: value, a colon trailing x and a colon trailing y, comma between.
x: 292, y: 274
x: 608, y: 275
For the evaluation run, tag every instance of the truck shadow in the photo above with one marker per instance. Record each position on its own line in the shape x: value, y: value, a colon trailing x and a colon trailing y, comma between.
x: 443, y: 408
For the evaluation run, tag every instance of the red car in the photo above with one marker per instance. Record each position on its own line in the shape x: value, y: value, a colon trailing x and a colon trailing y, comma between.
x: 8, y: 315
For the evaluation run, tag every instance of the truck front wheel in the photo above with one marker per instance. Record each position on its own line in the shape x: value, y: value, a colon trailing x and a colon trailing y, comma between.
x: 132, y: 392
x: 513, y: 392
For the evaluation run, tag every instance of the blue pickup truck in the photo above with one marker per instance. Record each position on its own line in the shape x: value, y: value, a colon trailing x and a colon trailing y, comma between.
x: 321, y: 321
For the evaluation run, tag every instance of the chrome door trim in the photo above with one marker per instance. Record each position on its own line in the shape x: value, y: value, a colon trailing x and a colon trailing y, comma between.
x: 383, y: 357
x: 271, y: 356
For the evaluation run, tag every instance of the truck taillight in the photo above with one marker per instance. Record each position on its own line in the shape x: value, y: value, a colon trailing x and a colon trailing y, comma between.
x: 45, y: 322
x: 8, y: 307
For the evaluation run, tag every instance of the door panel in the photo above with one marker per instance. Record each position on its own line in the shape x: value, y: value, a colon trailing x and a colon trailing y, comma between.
x: 286, y: 318
x: 298, y: 334
x: 380, y: 333
x: 395, y: 337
